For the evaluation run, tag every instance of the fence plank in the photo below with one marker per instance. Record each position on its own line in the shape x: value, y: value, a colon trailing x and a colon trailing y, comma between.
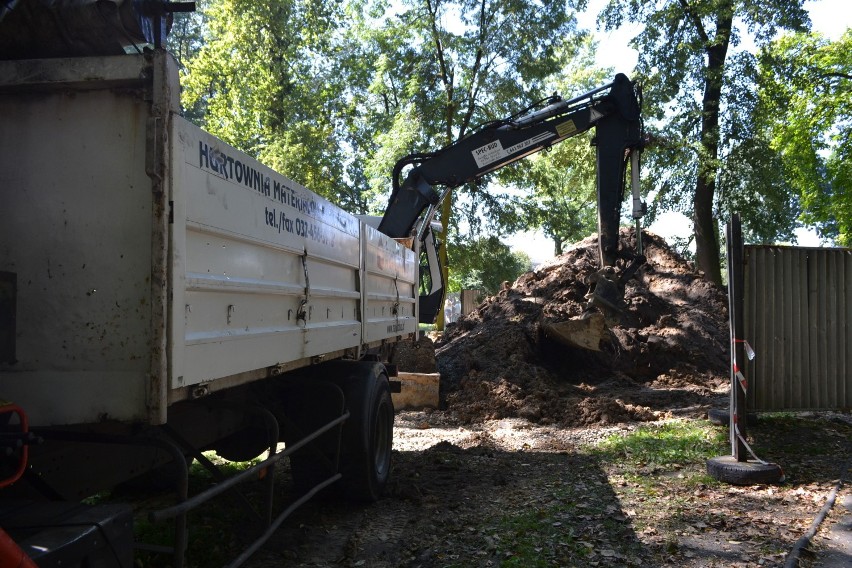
x: 798, y: 317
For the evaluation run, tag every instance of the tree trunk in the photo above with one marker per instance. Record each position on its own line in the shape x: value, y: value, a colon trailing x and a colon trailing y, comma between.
x: 706, y: 231
x: 706, y: 241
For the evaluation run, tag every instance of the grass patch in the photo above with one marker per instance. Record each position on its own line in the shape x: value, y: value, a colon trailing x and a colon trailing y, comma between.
x: 212, y: 538
x: 535, y: 539
x: 576, y: 520
x: 585, y: 520
x: 670, y: 444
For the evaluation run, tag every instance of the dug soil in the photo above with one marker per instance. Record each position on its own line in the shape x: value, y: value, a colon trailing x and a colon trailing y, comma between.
x: 665, y: 354
x: 502, y: 474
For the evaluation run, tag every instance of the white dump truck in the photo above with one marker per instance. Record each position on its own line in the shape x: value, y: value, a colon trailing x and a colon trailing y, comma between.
x: 163, y: 293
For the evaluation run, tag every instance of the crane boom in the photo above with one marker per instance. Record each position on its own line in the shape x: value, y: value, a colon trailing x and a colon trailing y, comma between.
x: 613, y: 110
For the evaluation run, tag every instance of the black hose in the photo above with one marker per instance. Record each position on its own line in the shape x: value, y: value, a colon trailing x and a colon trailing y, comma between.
x: 795, y: 554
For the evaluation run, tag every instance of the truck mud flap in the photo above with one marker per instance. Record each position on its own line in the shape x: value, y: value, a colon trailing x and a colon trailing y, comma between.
x: 71, y: 534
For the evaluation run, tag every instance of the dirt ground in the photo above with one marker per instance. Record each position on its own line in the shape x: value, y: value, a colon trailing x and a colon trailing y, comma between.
x: 500, y: 492
x: 500, y: 474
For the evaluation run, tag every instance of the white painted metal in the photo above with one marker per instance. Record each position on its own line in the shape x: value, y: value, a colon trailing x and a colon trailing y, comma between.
x: 270, y: 272
x: 255, y: 274
x: 75, y: 228
x: 390, y: 287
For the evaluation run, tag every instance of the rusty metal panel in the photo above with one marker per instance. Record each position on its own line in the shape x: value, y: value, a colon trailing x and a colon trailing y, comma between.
x: 798, y: 309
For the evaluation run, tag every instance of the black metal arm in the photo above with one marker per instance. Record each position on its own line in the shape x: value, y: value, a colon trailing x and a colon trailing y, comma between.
x: 613, y: 110
x: 615, y: 114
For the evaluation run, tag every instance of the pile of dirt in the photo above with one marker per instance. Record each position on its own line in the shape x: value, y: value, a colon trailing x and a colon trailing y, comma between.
x: 667, y: 353
x: 414, y: 356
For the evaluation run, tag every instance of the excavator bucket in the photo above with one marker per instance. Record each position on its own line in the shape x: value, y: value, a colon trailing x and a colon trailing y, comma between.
x: 605, y: 304
x: 585, y: 332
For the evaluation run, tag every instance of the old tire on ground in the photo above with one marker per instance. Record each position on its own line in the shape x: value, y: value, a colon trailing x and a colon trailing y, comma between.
x: 719, y: 416
x: 729, y: 470
x: 365, y: 457
x: 722, y: 417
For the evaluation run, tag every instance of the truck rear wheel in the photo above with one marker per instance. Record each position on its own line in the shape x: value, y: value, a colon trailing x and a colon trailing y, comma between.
x: 365, y: 459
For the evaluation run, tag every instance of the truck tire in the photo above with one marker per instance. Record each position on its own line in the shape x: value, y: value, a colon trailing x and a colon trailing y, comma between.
x: 719, y: 416
x: 365, y: 457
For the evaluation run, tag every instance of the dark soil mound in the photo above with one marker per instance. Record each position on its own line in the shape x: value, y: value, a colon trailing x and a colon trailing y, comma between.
x: 414, y: 356
x: 668, y: 351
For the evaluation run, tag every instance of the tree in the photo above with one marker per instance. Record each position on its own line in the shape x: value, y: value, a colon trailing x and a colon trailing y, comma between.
x: 690, y: 86
x: 332, y: 94
x: 270, y: 80
x: 559, y: 184
x: 806, y: 110
x: 185, y: 35
x: 484, y: 264
x: 444, y: 66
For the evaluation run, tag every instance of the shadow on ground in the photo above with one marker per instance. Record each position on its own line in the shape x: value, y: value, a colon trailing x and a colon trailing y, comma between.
x: 449, y: 506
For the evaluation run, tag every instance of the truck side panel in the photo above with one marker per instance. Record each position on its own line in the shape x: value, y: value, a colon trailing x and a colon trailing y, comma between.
x: 269, y: 271
x: 75, y: 229
x: 151, y: 263
x: 390, y: 298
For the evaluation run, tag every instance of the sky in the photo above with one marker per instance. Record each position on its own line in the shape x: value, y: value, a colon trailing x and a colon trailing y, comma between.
x: 829, y: 17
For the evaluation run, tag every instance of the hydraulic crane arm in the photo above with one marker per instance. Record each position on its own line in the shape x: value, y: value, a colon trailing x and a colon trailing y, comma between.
x: 613, y: 110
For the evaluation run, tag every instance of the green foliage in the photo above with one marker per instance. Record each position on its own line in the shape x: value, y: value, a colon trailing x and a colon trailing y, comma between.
x: 537, y: 541
x: 559, y: 185
x: 806, y: 112
x: 442, y: 68
x: 333, y: 94
x: 560, y: 197
x: 187, y: 33
x: 449, y: 66
x: 267, y: 81
x: 484, y: 264
x: 698, y: 99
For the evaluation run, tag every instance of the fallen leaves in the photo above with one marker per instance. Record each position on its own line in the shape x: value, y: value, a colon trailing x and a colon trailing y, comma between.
x: 534, y: 508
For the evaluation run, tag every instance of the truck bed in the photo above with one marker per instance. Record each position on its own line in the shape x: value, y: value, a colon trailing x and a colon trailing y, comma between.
x: 146, y: 262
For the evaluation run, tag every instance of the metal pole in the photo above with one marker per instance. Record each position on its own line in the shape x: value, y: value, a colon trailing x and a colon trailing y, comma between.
x: 736, y: 289
x: 183, y: 507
